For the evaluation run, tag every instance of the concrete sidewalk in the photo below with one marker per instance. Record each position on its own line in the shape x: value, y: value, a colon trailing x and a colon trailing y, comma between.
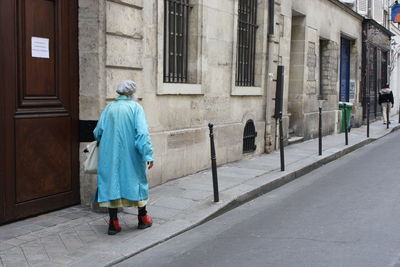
x: 77, y: 237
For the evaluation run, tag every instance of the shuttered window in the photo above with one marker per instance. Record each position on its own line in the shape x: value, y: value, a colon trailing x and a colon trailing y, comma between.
x: 362, y: 7
x: 377, y: 11
x: 246, y: 45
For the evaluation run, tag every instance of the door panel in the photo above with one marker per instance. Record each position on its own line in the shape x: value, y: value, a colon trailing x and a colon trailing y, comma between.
x: 39, y: 21
x: 39, y: 94
x: 43, y: 159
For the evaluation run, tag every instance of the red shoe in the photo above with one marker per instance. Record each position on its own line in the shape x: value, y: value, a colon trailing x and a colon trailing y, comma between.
x: 114, y: 227
x: 144, y: 221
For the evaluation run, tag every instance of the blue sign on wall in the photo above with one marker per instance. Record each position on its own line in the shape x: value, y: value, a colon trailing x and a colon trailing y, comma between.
x: 396, y: 12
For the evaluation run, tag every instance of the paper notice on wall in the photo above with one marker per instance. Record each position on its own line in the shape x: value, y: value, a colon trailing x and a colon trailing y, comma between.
x: 40, y: 47
x: 352, y: 90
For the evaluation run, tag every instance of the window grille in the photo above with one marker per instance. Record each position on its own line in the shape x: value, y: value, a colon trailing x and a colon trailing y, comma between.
x: 249, y: 137
x: 176, y: 22
x: 246, y: 45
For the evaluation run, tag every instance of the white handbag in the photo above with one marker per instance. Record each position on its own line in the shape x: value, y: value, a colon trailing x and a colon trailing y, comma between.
x: 90, y: 164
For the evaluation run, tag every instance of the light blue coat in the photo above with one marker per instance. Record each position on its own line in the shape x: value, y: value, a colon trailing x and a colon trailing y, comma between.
x: 124, y: 149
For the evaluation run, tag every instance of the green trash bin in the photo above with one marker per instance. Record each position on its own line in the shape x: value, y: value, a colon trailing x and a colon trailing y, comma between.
x: 349, y: 107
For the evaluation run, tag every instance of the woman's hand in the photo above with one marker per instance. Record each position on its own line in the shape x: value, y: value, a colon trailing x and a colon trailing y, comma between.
x: 150, y: 165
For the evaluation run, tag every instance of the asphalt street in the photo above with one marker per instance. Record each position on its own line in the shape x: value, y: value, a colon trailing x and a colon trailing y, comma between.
x: 346, y: 213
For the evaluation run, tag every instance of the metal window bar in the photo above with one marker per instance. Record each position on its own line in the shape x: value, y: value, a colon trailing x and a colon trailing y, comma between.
x: 246, y: 47
x: 249, y: 137
x: 176, y: 23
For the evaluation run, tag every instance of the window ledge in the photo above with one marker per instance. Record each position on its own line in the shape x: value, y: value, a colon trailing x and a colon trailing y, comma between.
x: 247, y: 91
x: 180, y: 89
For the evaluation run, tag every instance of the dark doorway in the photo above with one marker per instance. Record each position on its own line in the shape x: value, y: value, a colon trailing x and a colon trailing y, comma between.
x: 344, y: 70
x: 39, y: 107
x: 384, y: 68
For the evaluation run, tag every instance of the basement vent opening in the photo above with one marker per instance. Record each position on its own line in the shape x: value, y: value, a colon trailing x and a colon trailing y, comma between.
x: 249, y: 137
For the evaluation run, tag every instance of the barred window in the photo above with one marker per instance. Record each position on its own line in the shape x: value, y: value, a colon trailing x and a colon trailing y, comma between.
x: 246, y: 45
x: 176, y: 22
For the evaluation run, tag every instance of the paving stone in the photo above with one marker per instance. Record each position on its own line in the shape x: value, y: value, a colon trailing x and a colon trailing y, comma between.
x: 15, y: 241
x: 47, y: 223
x: 14, y: 257
x: 194, y: 185
x: 34, y: 252
x: 71, y: 240
x: 82, y: 227
x: 174, y: 202
x: 87, y: 236
x: 5, y: 245
x: 58, y: 228
x: 239, y: 172
x: 28, y: 237
x: 99, y: 229
x: 70, y: 215
x: 56, y: 250
x: 225, y: 181
x: 13, y: 232
x: 196, y: 194
x: 48, y: 264
x: 257, y: 164
x: 32, y: 227
x: 6, y: 236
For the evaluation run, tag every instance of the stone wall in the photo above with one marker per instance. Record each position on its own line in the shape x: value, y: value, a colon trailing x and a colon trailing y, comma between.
x: 308, y: 28
x: 123, y: 39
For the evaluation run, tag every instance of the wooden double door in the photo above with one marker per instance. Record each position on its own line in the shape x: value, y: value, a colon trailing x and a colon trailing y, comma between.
x: 39, y: 158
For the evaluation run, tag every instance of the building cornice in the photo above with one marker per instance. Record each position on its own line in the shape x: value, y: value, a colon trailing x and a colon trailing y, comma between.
x: 379, y: 26
x: 347, y: 9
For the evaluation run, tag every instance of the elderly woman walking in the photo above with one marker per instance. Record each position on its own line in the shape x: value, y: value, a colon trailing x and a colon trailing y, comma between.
x: 124, y: 149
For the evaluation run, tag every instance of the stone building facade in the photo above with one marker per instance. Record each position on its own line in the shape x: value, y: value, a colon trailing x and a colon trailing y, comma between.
x: 380, y: 52
x: 310, y: 38
x: 124, y: 39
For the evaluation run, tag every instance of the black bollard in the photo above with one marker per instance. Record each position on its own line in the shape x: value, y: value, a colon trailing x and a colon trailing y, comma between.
x: 345, y: 125
x: 281, y: 147
x: 278, y: 110
x: 387, y: 115
x: 213, y: 164
x: 320, y: 132
x: 368, y: 118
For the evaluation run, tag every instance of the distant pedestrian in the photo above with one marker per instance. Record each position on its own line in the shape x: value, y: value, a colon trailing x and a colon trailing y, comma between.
x: 124, y: 149
x: 386, y: 101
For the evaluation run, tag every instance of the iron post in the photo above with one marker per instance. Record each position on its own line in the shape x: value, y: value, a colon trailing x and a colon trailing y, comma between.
x: 213, y: 164
x: 281, y: 146
x: 279, y: 112
x: 387, y: 115
x: 345, y: 125
x: 320, y: 132
x: 368, y: 118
